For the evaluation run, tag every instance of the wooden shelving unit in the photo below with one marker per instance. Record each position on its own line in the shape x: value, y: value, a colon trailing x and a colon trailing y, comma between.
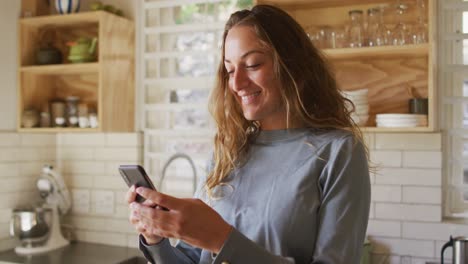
x: 387, y: 71
x: 108, y: 85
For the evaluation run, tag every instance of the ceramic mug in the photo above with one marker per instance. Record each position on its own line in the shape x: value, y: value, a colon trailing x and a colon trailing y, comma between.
x: 418, y: 106
x: 67, y: 6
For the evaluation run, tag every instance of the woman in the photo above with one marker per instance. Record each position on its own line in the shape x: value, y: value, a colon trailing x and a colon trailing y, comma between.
x: 289, y: 181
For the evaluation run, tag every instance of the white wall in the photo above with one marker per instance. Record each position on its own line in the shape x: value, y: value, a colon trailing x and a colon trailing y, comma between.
x: 9, y: 11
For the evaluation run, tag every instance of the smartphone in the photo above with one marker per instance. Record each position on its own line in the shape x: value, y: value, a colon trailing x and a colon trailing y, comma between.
x: 136, y: 175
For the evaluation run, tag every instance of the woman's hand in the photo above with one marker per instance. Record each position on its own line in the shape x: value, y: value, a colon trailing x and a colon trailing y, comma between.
x: 191, y: 220
x: 135, y: 220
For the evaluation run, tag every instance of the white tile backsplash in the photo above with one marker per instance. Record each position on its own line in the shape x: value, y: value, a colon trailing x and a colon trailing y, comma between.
x: 386, y: 193
x: 404, y: 247
x: 408, y: 176
x: 383, y: 158
x: 422, y: 195
x: 384, y: 228
x: 10, y: 139
x: 405, y: 212
x: 398, y: 211
x: 406, y: 141
x: 422, y: 159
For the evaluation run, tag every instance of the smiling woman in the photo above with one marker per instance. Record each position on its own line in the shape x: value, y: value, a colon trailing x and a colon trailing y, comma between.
x: 289, y: 178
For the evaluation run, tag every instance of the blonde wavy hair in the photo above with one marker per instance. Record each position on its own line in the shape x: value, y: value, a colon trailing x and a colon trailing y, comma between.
x: 309, y: 90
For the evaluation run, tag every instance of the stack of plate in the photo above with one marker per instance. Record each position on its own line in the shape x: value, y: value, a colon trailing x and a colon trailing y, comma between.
x: 360, y: 101
x: 401, y: 120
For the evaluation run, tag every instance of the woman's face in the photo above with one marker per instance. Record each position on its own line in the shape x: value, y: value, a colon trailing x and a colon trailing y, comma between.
x: 252, y: 79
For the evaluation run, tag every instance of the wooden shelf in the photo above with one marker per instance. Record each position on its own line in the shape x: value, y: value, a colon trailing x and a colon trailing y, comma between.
x: 66, y: 20
x: 382, y: 51
x: 106, y: 86
x: 62, y: 69
x: 318, y: 3
x: 386, y: 71
x: 57, y: 129
x: 396, y: 129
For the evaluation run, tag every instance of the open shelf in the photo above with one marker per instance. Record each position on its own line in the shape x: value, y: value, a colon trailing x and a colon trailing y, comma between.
x: 388, y: 72
x: 74, y: 19
x: 62, y: 69
x: 105, y: 86
x: 319, y: 3
x: 56, y: 129
x: 396, y: 129
x: 382, y: 51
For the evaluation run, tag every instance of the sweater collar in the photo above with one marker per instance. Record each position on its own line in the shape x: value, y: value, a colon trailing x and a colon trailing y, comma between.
x: 272, y: 136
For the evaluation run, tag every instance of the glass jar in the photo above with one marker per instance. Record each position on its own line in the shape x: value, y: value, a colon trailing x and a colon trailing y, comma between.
x: 57, y: 110
x: 356, y: 29
x: 72, y: 111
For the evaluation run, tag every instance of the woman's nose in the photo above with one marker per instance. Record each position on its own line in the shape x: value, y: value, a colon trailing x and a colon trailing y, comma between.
x: 239, y: 80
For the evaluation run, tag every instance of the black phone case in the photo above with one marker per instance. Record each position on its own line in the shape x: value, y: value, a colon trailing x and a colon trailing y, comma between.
x: 136, y: 175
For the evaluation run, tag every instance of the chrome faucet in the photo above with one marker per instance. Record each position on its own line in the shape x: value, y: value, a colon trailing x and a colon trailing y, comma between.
x: 174, y: 157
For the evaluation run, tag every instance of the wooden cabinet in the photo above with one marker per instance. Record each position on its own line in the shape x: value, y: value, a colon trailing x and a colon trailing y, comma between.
x: 387, y: 71
x: 108, y: 84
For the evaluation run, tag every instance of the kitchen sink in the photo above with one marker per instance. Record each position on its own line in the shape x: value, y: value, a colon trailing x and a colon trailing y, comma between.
x: 134, y: 260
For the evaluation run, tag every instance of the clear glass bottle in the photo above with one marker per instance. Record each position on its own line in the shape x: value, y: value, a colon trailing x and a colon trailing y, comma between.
x: 356, y: 29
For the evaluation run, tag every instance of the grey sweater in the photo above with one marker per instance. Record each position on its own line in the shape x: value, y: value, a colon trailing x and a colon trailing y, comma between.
x: 303, y: 196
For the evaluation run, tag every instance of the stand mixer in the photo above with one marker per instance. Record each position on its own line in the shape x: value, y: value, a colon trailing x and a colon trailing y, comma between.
x: 57, y: 200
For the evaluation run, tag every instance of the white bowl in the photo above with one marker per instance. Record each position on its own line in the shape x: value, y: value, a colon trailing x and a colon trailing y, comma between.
x: 362, y: 109
x: 360, y: 119
x: 359, y: 92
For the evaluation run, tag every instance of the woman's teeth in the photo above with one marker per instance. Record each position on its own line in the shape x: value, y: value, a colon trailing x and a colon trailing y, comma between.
x: 247, y: 99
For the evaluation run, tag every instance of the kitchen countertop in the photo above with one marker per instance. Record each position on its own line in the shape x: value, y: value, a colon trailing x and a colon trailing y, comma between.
x: 75, y: 253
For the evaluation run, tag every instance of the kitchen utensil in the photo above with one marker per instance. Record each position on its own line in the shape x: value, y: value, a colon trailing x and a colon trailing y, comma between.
x: 67, y: 6
x: 459, y: 250
x: 30, y: 225
x: 82, y: 50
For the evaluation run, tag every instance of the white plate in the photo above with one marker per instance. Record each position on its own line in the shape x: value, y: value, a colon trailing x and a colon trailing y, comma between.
x: 401, y: 116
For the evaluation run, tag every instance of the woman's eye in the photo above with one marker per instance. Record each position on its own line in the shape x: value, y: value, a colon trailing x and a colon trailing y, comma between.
x: 253, y: 66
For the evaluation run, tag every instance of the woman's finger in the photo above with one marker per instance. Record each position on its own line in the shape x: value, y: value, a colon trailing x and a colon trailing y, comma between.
x: 131, y: 195
x: 160, y: 199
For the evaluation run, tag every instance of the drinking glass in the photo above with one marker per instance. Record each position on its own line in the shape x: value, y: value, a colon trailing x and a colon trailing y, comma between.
x: 356, y: 29
x: 336, y: 37
x: 400, y: 32
x: 376, y: 30
x: 419, y: 31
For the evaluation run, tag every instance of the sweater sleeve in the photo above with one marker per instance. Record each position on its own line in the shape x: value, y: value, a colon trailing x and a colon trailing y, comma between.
x: 164, y: 252
x: 183, y: 253
x: 345, y: 203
